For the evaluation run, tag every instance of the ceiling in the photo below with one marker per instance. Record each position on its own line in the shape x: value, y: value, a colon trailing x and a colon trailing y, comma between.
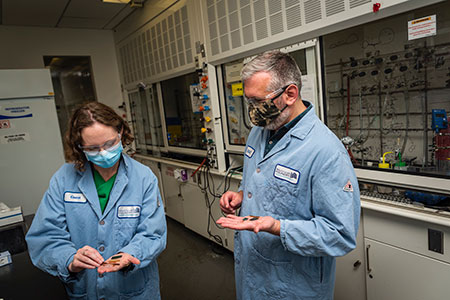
x: 87, y: 14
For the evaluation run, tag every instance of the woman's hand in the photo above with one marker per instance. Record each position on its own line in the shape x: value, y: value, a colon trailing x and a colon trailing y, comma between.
x: 85, y: 258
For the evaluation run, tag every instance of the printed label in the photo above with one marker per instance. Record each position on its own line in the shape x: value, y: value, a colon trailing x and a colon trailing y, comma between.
x: 286, y: 174
x: 422, y: 27
x: 16, y: 112
x: 249, y: 152
x: 15, y: 138
x: 74, y: 197
x: 128, y: 211
x: 237, y: 89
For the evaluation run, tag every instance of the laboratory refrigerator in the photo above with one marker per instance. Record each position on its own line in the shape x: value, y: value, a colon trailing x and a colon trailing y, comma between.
x: 31, y: 148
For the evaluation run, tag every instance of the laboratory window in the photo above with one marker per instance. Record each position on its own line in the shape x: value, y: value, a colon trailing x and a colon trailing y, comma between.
x: 146, y: 120
x: 237, y: 124
x: 183, y: 118
x: 73, y: 84
x: 387, y: 91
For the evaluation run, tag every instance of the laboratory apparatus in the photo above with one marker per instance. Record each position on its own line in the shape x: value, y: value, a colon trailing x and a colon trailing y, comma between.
x: 387, y: 91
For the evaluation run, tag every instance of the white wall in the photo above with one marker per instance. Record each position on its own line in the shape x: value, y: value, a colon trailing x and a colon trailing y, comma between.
x: 24, y: 48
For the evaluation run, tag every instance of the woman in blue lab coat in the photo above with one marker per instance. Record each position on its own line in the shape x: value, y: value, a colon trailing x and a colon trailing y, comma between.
x: 101, y: 223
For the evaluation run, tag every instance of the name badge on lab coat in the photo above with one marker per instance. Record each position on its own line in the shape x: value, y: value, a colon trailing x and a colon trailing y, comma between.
x: 286, y: 174
x: 128, y: 211
x: 74, y: 197
x: 249, y: 152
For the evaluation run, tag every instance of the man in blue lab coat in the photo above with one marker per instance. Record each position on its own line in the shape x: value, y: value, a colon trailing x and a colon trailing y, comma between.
x: 299, y: 192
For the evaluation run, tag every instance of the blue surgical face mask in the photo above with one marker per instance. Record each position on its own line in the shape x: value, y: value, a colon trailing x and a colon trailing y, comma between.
x: 105, y: 158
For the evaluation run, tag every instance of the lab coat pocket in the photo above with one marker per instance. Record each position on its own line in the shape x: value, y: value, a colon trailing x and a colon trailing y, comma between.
x: 268, y: 279
x: 132, y: 285
x: 76, y: 290
x: 124, y: 230
x: 280, y: 197
x: 310, y: 275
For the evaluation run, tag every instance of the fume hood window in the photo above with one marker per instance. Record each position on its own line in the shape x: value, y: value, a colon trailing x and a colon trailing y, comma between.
x: 72, y: 83
x: 388, y: 90
x: 146, y: 120
x: 182, y: 124
x: 238, y: 124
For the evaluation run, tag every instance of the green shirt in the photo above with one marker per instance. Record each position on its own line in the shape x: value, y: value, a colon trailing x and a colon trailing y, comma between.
x: 275, y: 136
x: 103, y: 188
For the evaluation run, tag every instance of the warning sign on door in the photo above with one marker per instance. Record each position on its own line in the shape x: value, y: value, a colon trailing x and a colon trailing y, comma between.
x: 4, y: 124
x: 422, y: 27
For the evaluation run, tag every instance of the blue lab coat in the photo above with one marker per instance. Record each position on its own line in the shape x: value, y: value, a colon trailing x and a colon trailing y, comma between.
x: 306, y: 181
x: 69, y: 217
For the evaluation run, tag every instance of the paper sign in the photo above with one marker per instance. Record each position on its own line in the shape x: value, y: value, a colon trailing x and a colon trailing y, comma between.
x: 237, y: 89
x: 15, y: 138
x: 422, y: 27
x: 308, y: 88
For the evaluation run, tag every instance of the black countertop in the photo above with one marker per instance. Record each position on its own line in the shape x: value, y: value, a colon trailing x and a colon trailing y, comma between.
x: 22, y: 280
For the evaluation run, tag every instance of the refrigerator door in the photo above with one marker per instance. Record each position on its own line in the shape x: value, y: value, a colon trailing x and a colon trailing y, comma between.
x: 31, y: 148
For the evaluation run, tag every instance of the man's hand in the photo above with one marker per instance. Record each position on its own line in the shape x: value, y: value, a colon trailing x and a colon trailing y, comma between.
x: 117, y: 262
x: 251, y: 223
x: 230, y: 201
x: 85, y: 258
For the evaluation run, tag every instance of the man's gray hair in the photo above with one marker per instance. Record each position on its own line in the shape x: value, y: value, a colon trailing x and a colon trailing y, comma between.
x: 281, y: 66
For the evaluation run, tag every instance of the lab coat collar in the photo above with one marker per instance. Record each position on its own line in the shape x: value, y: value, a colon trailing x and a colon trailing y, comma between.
x: 87, y: 187
x: 304, y: 126
x: 300, y: 131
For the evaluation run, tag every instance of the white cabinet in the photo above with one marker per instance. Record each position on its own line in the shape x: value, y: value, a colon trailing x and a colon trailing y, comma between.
x: 394, y: 273
x: 195, y: 211
x: 399, y: 263
x: 350, y: 272
x: 172, y: 193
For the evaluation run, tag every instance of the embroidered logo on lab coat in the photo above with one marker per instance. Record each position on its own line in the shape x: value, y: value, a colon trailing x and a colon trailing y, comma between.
x: 249, y: 152
x: 74, y: 197
x: 128, y: 211
x: 286, y: 174
x: 348, y: 187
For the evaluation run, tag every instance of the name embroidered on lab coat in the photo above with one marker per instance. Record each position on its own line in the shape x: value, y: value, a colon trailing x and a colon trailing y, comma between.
x: 286, y: 174
x: 128, y: 211
x: 74, y: 197
x: 249, y: 152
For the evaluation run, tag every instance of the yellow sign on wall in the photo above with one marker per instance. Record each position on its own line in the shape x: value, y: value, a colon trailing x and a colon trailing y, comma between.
x: 237, y: 89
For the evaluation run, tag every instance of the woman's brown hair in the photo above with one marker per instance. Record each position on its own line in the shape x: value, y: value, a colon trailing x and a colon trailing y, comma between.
x: 85, y: 116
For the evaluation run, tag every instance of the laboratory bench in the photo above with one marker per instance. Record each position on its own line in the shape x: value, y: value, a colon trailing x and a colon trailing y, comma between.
x: 21, y: 279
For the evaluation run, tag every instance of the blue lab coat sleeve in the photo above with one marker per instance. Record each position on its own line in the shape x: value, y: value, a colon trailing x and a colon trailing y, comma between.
x: 332, y: 231
x: 49, y: 243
